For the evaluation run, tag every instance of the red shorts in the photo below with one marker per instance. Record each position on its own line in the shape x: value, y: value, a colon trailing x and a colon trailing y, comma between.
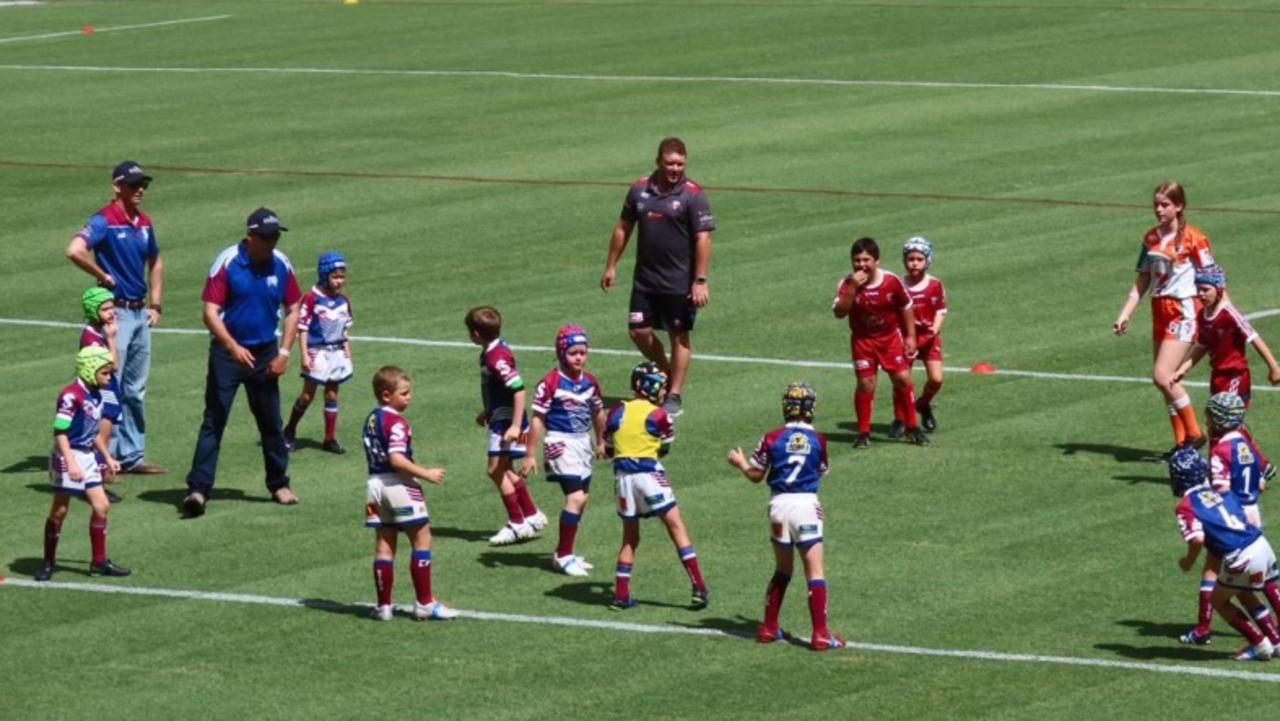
x: 882, y: 351
x: 928, y: 347
x: 1233, y: 381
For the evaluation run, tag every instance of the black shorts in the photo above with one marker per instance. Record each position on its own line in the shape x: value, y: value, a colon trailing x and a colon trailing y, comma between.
x: 670, y: 311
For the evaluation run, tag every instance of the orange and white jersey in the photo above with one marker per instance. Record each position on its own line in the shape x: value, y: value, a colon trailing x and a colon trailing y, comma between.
x: 1172, y: 261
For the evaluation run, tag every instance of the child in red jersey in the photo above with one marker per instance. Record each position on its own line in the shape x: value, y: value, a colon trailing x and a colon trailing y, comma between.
x: 1222, y: 334
x: 883, y: 335
x: 929, y: 303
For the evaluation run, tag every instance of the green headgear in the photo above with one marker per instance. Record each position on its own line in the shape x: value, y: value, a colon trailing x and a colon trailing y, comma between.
x: 1226, y: 410
x: 92, y: 299
x: 90, y: 360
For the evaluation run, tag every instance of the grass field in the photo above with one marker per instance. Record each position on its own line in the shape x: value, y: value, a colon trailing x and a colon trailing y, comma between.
x: 463, y: 153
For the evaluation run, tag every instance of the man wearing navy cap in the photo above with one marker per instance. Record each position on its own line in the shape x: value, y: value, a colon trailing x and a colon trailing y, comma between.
x: 118, y: 248
x: 246, y: 287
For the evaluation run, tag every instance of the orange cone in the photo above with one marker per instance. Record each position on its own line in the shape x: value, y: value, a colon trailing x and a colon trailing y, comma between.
x: 87, y: 29
x: 982, y: 368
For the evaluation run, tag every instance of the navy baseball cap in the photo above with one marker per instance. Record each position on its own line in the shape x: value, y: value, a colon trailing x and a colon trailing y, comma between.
x: 263, y: 222
x: 129, y: 172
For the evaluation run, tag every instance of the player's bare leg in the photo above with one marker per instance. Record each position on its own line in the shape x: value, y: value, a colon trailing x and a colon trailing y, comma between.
x: 1261, y: 616
x: 1201, y: 633
x: 650, y: 346
x: 681, y: 353
x: 1182, y: 415
x: 684, y: 547
x: 1260, y: 647
x: 504, y: 477
x: 100, y: 564
x: 626, y: 559
x: 822, y: 638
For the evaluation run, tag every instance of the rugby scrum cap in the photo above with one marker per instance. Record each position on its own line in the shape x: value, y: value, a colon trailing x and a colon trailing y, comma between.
x: 92, y: 299
x: 328, y: 263
x: 129, y: 172
x: 263, y: 222
x: 1212, y: 275
x: 567, y: 337
x: 89, y: 361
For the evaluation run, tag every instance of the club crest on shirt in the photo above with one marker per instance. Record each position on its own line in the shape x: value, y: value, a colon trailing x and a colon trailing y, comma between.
x: 798, y: 443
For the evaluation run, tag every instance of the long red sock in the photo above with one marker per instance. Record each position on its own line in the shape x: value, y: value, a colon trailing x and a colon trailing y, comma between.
x: 690, y: 561
x: 818, y: 606
x: 1272, y: 592
x: 1204, y: 613
x: 511, y: 502
x: 773, y: 598
x: 930, y: 390
x: 1262, y: 616
x: 862, y: 409
x: 384, y: 577
x: 98, y: 540
x: 527, y: 506
x: 330, y: 420
x: 1240, y: 622
x: 568, y: 532
x: 905, y: 397
x: 420, y: 571
x: 52, y: 532
x: 622, y: 582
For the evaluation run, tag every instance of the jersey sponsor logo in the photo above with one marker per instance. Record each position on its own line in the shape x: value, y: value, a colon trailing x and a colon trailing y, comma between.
x: 798, y: 443
x: 675, y: 205
x: 654, y: 499
x: 402, y: 511
x: 654, y: 215
x: 806, y: 528
x: 636, y: 317
x: 272, y: 281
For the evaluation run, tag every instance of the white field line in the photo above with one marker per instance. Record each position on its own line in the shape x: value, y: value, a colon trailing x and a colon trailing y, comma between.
x: 624, y: 627
x: 715, y: 79
x: 113, y: 29
x: 786, y: 362
x: 17, y: 3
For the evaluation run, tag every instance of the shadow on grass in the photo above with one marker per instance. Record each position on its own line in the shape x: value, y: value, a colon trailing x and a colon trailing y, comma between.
x: 1176, y: 652
x: 1135, y: 480
x: 600, y: 593
x: 358, y: 610
x: 173, y: 496
x: 739, y: 626
x: 500, y: 559
x: 1166, y: 630
x: 459, y: 533
x: 29, y: 566
x: 1121, y: 454
x: 848, y: 433
x: 27, y: 465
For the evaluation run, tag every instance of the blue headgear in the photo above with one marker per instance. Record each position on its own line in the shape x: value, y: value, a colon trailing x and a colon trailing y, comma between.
x: 1212, y: 275
x: 567, y: 337
x: 648, y: 381
x: 921, y: 245
x: 1187, y: 469
x: 328, y: 263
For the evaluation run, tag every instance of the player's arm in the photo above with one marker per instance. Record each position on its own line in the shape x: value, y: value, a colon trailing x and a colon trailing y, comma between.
x: 738, y: 460
x: 938, y: 319
x: 843, y: 303
x: 1140, y: 286
x: 700, y: 294
x: 1273, y: 370
x: 536, y: 427
x: 78, y: 253
x: 907, y: 317
x: 598, y: 423
x: 1194, y: 354
x: 155, y: 283
x: 1187, y: 562
x: 617, y: 244
x: 281, y: 362
x: 517, y: 412
x: 102, y: 444
x: 401, y: 464
x: 214, y: 323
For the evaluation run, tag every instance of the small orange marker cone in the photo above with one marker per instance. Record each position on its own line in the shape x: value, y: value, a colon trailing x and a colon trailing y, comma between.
x: 982, y: 368
x: 87, y: 29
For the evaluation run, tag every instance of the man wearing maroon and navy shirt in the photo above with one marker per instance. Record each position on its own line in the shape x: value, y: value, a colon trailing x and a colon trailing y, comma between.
x: 248, y: 283
x: 117, y: 246
x: 673, y: 256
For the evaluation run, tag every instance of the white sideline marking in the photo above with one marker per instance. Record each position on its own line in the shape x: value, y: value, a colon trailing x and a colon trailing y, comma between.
x: 837, y: 365
x: 254, y: 599
x: 116, y: 28
x: 721, y: 79
x: 17, y: 3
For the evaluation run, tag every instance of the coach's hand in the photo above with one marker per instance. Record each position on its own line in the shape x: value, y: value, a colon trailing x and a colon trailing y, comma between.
x: 240, y: 355
x: 277, y: 366
x: 700, y: 295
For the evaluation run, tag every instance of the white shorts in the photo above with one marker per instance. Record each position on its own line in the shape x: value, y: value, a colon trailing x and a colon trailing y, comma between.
x: 567, y: 456
x: 61, y: 480
x: 391, y: 501
x: 517, y: 449
x: 795, y: 519
x: 328, y: 365
x: 1251, y: 568
x: 643, y: 495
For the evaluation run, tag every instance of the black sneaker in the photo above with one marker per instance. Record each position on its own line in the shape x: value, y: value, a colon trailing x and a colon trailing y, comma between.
x: 699, y: 600
x: 917, y: 436
x: 333, y: 446
x: 897, y: 428
x: 1197, y: 442
x: 927, y: 420
x: 862, y: 441
x: 672, y: 405
x: 107, y: 568
x: 113, y: 497
x: 45, y: 573
x: 193, y: 504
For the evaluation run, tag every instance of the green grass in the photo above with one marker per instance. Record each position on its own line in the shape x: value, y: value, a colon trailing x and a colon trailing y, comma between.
x: 1033, y: 524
